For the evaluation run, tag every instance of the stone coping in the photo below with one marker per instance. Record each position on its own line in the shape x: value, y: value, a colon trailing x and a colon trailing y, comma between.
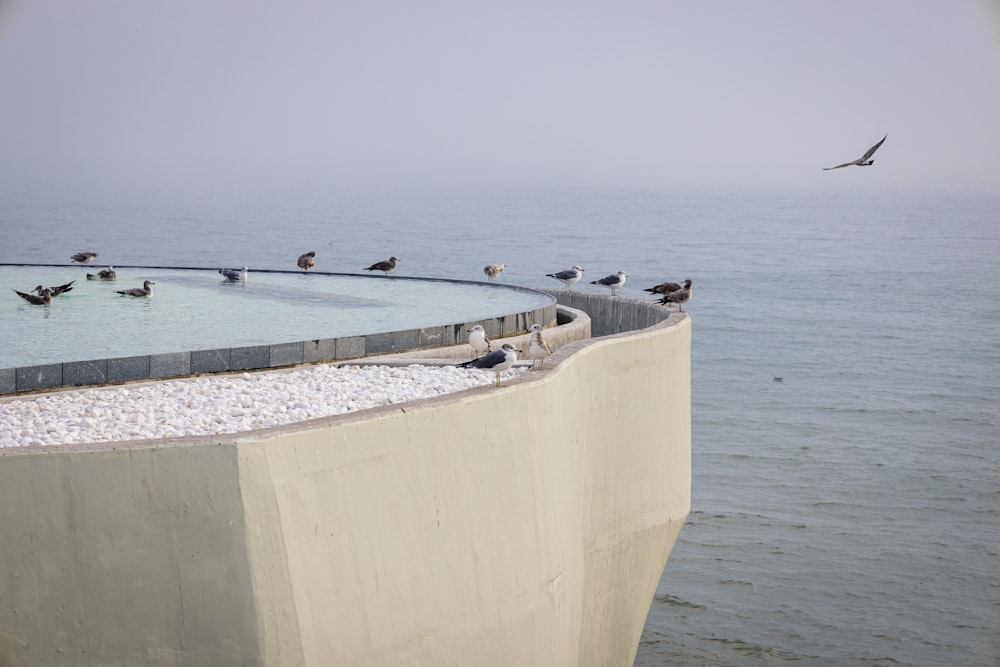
x: 92, y: 372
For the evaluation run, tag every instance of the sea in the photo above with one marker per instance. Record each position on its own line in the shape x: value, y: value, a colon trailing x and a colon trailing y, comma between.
x: 845, y: 378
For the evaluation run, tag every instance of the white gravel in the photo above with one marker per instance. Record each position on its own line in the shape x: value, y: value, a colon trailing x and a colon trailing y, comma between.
x: 222, y: 404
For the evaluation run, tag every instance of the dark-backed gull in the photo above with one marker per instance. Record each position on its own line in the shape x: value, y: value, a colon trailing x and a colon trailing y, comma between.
x: 663, y: 288
x: 679, y: 297
x: 612, y: 282
x: 385, y: 266
x: 234, y: 275
x: 307, y: 260
x: 496, y: 361
x: 84, y: 257
x: 107, y: 275
x: 863, y: 161
x: 42, y: 299
x: 55, y: 291
x: 569, y: 277
x: 145, y: 290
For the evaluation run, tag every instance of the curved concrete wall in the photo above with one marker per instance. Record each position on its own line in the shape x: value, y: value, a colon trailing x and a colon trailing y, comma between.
x: 525, y: 525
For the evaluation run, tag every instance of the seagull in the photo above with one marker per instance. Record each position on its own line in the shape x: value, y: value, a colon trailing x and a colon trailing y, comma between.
x: 56, y: 291
x: 569, y: 277
x: 84, y: 257
x: 664, y: 288
x: 679, y: 297
x: 478, y: 339
x: 145, y: 290
x: 107, y: 274
x: 307, y: 260
x: 43, y: 298
x: 863, y: 161
x: 496, y: 361
x: 384, y: 266
x: 234, y: 275
x: 493, y: 270
x: 538, y: 349
x: 777, y: 378
x: 612, y: 282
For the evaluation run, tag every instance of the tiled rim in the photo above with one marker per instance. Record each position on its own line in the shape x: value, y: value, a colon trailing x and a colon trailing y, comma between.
x: 256, y: 357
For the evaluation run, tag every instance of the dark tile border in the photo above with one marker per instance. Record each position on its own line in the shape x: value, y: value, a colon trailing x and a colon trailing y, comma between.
x: 257, y: 357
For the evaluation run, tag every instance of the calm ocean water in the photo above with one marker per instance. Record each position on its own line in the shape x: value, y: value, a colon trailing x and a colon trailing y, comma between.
x: 845, y: 516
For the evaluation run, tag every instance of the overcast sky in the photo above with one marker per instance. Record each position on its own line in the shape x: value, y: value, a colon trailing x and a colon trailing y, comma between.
x: 651, y: 94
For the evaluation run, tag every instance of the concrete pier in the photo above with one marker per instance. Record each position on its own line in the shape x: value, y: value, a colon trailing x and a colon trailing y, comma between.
x: 521, y: 525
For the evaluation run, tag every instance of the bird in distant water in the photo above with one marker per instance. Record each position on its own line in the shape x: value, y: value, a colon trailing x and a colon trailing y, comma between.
x: 234, y: 275
x: 863, y: 161
x: 42, y: 299
x: 145, y: 290
x: 55, y: 291
x: 107, y: 275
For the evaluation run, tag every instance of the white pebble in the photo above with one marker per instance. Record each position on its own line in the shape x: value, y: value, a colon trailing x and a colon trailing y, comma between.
x: 223, y: 403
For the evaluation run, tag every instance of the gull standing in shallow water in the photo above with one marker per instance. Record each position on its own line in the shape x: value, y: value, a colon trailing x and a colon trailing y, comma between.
x: 145, y: 290
x: 385, y: 266
x: 307, y: 260
x: 493, y: 270
x: 569, y: 277
x: 478, y: 339
x: 496, y: 361
x: 43, y: 298
x: 863, y: 161
x: 538, y: 349
x: 55, y: 291
x: 234, y: 275
x: 612, y: 282
x: 679, y: 297
x: 107, y: 275
x: 84, y: 257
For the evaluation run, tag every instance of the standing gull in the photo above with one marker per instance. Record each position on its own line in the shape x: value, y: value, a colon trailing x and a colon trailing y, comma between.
x: 612, y: 282
x: 538, y: 349
x: 478, y: 339
x: 385, y: 266
x: 84, y: 257
x: 496, y: 361
x: 145, y: 290
x: 863, y: 161
x: 107, y: 275
x: 569, y: 277
x: 234, y: 275
x: 679, y: 297
x: 307, y: 260
x: 55, y: 291
x: 493, y: 270
x: 44, y: 298
x: 664, y: 288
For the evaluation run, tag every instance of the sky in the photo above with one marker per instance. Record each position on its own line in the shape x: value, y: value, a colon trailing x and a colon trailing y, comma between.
x: 652, y: 94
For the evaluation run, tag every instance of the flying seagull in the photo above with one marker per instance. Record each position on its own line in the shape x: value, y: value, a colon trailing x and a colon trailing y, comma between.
x: 612, y: 282
x: 55, y: 291
x: 538, y: 349
x: 664, y: 288
x: 44, y: 298
x: 496, y: 361
x: 679, y: 297
x: 493, y: 270
x: 307, y: 260
x: 385, y: 266
x: 569, y: 277
x: 863, y: 161
x: 84, y: 257
x: 234, y: 275
x: 107, y: 275
x: 478, y: 339
x: 145, y: 290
